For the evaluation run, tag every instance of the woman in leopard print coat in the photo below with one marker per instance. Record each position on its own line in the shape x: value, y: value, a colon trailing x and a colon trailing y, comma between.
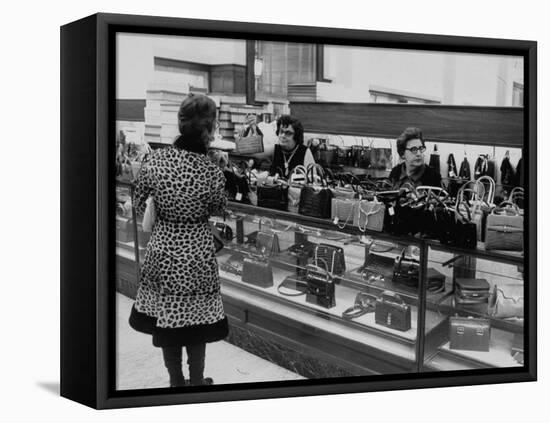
x: 178, y: 300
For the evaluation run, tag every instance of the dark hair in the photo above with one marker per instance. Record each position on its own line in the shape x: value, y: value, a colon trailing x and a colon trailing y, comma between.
x: 287, y: 120
x: 408, y: 134
x: 196, y: 118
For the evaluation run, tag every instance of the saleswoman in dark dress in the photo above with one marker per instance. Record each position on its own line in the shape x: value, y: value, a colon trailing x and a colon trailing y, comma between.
x: 291, y: 151
x: 411, y: 148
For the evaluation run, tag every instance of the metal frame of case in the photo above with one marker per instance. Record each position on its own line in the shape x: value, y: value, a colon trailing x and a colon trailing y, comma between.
x: 87, y: 179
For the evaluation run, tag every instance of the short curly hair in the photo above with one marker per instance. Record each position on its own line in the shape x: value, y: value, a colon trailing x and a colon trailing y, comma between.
x: 287, y: 120
x: 196, y: 119
x: 410, y: 133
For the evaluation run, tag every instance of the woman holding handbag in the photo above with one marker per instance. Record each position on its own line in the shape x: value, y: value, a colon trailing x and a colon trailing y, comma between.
x: 178, y: 300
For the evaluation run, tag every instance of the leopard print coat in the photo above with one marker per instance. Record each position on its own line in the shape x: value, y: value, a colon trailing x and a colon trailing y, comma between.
x: 179, y: 283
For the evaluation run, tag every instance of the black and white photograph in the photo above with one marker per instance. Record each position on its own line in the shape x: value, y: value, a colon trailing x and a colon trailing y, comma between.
x: 243, y: 211
x: 291, y: 211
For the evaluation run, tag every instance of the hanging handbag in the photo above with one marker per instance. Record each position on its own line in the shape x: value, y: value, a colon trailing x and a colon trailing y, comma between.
x: 380, y: 158
x: 257, y: 272
x: 504, y: 231
x: 344, y: 154
x: 506, y: 301
x: 469, y: 333
x: 297, y: 179
x: 251, y: 144
x: 391, y: 311
x: 328, y: 155
x: 320, y: 284
x: 315, y: 201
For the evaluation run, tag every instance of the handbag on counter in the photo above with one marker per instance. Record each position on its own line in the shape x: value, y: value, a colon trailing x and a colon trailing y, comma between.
x: 296, y: 181
x: 267, y: 243
x: 315, y: 201
x: 471, y: 291
x: 469, y: 333
x: 506, y: 301
x: 320, y: 285
x: 370, y: 215
x: 257, y: 272
x: 344, y: 211
x: 273, y: 195
x: 392, y: 312
x: 504, y: 231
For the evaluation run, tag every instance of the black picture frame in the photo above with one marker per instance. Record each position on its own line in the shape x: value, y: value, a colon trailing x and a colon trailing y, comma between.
x: 87, y: 133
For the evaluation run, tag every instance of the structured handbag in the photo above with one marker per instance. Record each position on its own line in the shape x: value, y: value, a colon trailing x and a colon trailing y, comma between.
x: 149, y: 216
x: 370, y: 215
x: 504, y: 231
x: 471, y: 291
x: 343, y: 211
x: 272, y: 195
x: 332, y: 256
x: 249, y: 145
x: 406, y: 269
x: 267, y: 243
x: 364, y: 303
x: 316, y: 201
x: 320, y: 285
x: 469, y: 333
x: 257, y: 272
x: 296, y: 181
x: 391, y: 311
x: 236, y: 184
x: 506, y: 301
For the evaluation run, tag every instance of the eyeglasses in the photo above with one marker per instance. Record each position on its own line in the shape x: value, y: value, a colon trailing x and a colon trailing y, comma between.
x: 415, y: 150
x: 286, y: 133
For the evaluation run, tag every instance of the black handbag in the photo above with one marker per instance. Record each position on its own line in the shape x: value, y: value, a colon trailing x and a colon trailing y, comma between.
x: 236, y: 185
x: 316, y: 201
x: 392, y: 312
x: 273, y: 195
x: 406, y: 269
x: 320, y: 285
x: 257, y: 272
x: 332, y: 257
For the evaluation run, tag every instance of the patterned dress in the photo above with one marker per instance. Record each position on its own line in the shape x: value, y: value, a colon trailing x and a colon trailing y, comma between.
x: 178, y: 299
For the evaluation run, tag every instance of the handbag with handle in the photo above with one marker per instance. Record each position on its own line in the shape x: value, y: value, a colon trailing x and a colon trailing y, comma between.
x: 391, y: 311
x: 504, y: 229
x: 469, y: 333
x: 251, y: 144
x: 149, y: 216
x: 320, y: 284
x: 506, y: 301
x: 273, y: 195
x: 257, y: 272
x: 267, y: 243
x: 344, y: 211
x: 315, y: 201
x: 370, y: 215
x: 297, y: 179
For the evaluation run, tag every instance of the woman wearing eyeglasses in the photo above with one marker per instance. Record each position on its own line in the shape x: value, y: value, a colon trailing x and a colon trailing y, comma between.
x: 411, y: 148
x: 291, y: 151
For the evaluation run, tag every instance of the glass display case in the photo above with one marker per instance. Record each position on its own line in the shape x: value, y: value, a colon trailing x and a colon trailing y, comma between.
x: 358, y: 301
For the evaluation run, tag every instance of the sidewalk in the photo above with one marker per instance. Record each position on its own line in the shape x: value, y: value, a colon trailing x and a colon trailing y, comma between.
x: 140, y: 365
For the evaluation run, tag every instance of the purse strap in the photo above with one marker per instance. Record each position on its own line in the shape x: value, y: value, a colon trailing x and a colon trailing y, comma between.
x: 326, y: 264
x: 502, y: 209
x: 297, y: 170
x: 373, y: 211
x: 321, y: 174
x: 489, y: 195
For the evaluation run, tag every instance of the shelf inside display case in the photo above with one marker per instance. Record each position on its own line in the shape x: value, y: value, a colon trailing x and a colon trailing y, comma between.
x: 500, y: 354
